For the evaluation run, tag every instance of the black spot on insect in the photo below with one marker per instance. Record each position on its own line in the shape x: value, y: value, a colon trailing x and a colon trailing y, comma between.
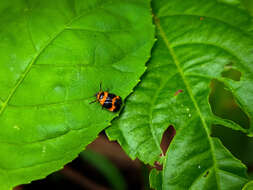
x: 108, y: 100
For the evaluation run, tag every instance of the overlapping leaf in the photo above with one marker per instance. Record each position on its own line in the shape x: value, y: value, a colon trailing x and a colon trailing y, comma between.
x: 197, y: 40
x: 248, y: 186
x: 53, y: 55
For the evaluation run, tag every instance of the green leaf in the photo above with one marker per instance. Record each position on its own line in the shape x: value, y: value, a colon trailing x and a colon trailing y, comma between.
x: 248, y: 4
x: 155, y: 179
x: 105, y: 167
x: 53, y: 56
x: 248, y: 186
x: 232, y: 2
x: 197, y: 40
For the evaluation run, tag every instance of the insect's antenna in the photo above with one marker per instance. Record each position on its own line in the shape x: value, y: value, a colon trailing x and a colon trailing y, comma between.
x: 100, y: 86
x: 93, y: 102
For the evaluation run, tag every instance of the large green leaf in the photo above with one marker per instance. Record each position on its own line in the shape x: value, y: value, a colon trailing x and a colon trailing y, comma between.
x: 197, y: 40
x: 53, y: 55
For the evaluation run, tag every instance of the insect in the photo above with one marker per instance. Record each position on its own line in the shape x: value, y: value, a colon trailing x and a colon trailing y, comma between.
x: 108, y: 100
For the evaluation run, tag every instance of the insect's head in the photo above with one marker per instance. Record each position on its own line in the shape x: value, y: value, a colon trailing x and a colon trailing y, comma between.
x: 99, y: 95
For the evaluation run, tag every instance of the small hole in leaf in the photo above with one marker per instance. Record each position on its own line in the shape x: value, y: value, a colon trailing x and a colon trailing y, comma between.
x: 238, y: 143
x: 168, y: 135
x: 224, y: 105
x: 231, y: 73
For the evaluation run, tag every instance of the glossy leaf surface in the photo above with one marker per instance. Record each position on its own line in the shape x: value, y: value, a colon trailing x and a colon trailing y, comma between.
x: 54, y: 54
x: 197, y: 41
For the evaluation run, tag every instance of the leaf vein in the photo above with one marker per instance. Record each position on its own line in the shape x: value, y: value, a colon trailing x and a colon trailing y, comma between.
x: 28, y: 68
x: 51, y: 104
x: 28, y: 27
x: 187, y: 85
x: 232, y: 174
x: 200, y: 175
x: 217, y: 46
x: 211, y: 18
x: 94, y: 30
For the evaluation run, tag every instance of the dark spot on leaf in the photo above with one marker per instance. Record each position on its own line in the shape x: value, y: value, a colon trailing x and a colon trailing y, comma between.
x: 231, y: 73
x: 206, y: 174
x: 201, y: 18
x: 168, y: 135
x: 178, y: 92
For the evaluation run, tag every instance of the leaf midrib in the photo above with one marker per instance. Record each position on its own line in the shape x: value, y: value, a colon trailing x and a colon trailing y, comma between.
x: 188, y: 88
x: 28, y: 68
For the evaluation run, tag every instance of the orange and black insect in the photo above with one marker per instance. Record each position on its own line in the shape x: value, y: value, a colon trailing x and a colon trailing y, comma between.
x: 108, y: 100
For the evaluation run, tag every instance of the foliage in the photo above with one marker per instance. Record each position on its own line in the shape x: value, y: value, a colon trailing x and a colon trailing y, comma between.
x: 197, y: 41
x: 248, y: 186
x: 54, y: 54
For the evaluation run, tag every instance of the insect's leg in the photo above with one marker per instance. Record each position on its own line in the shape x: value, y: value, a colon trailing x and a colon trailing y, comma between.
x: 93, y: 102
